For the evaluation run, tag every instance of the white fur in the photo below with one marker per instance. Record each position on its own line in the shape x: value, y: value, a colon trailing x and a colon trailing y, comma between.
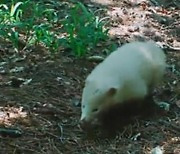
x: 132, y: 71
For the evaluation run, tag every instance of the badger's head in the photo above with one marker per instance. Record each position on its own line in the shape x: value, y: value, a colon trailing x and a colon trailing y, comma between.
x: 96, y: 97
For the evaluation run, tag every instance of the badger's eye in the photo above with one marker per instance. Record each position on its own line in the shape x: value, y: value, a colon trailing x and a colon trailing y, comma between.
x: 95, y: 110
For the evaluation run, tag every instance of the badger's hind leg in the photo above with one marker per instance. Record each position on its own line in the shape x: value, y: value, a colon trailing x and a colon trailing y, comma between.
x: 148, y: 106
x: 152, y: 107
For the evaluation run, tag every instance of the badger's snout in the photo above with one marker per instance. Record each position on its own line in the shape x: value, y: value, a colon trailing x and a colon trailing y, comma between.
x: 88, y: 125
x: 84, y: 124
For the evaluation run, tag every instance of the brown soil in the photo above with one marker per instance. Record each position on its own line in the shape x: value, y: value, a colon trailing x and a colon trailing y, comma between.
x: 43, y: 115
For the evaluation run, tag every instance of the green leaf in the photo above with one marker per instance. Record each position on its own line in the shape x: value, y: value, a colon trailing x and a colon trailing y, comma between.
x: 14, y: 8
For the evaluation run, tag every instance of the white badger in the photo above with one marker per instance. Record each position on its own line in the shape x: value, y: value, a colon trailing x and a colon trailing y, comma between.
x: 129, y: 73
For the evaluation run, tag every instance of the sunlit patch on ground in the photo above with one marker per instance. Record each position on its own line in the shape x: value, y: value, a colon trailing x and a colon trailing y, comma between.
x: 103, y: 2
x: 9, y: 115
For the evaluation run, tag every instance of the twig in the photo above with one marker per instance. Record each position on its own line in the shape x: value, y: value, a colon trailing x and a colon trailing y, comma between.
x: 171, y: 125
x: 61, y: 132
x: 21, y: 148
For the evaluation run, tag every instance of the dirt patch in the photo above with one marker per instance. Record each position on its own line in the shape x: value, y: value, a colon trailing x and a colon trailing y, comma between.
x: 43, y: 110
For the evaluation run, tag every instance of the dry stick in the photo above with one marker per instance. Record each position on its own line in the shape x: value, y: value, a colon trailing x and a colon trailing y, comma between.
x: 21, y: 148
x: 171, y: 125
x: 55, y: 147
x: 55, y: 136
x: 61, y: 131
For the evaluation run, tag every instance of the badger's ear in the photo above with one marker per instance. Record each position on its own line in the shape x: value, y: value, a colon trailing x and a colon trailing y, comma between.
x: 111, y: 91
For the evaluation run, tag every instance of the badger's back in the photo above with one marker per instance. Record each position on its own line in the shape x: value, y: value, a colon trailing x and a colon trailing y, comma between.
x: 135, y: 67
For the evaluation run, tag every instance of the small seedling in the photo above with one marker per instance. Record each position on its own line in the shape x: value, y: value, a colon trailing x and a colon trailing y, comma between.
x: 36, y: 25
x: 84, y: 30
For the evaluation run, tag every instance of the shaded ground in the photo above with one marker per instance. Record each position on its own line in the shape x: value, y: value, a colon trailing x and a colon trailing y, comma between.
x: 47, y: 110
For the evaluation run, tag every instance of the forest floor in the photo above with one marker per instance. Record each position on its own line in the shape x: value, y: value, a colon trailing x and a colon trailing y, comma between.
x: 40, y: 94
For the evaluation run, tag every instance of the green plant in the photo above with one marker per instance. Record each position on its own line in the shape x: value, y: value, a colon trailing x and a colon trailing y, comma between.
x: 84, y: 29
x: 35, y: 23
x: 41, y: 34
x: 20, y: 18
x: 9, y: 18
